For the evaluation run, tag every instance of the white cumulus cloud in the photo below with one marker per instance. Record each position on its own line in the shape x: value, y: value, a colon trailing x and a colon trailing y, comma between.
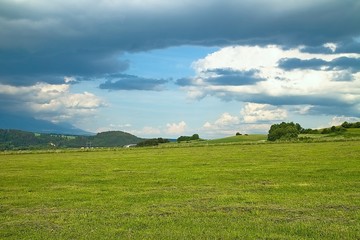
x: 255, y: 112
x: 338, y: 120
x: 225, y: 125
x: 176, y: 128
x: 227, y: 119
x: 277, y: 76
x: 150, y: 131
x: 50, y: 101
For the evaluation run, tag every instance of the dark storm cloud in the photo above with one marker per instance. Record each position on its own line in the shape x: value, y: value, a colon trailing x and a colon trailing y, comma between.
x: 342, y: 63
x: 130, y: 82
x: 57, y: 38
x: 23, y: 68
x: 344, y: 46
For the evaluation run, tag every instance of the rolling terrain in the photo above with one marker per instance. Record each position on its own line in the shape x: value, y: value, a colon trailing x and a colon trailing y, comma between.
x: 21, y: 140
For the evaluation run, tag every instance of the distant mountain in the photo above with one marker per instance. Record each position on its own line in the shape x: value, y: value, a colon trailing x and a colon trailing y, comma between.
x: 17, y: 139
x: 38, y: 126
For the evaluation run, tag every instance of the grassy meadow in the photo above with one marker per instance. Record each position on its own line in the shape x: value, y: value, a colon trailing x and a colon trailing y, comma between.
x: 262, y: 191
x: 240, y: 139
x: 351, y: 133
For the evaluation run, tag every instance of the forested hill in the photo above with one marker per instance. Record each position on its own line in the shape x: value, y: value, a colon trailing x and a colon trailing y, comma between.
x: 16, y: 139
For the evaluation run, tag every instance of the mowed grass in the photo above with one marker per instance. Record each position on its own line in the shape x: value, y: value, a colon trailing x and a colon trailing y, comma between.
x: 265, y: 191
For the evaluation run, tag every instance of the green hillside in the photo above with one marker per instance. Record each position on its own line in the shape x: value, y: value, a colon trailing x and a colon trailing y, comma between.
x: 21, y: 140
x: 241, y: 138
x: 349, y: 133
x: 113, y: 139
x: 18, y: 140
x: 346, y: 134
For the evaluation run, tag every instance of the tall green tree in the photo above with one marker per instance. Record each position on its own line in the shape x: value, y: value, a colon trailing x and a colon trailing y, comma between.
x: 284, y: 131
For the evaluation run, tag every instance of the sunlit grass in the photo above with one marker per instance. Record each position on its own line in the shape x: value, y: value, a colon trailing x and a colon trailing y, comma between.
x: 350, y: 133
x: 241, y: 138
x: 275, y: 191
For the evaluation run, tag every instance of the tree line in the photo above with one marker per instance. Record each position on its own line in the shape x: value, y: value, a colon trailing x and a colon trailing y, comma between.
x: 152, y: 142
x: 188, y: 138
x: 291, y: 130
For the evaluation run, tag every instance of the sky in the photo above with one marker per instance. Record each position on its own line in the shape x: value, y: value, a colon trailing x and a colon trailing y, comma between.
x: 158, y: 68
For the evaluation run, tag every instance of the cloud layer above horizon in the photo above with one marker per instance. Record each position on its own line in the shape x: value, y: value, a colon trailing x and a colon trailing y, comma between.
x: 274, y: 76
x: 86, y: 38
x: 279, y: 54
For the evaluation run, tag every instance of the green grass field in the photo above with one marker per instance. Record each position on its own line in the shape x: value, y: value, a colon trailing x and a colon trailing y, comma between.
x: 241, y: 139
x: 351, y: 133
x: 263, y: 191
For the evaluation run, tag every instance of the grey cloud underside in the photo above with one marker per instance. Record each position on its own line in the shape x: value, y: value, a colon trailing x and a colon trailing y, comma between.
x: 342, y: 63
x: 85, y: 40
x: 344, y: 46
x: 228, y: 77
x: 322, y: 104
x: 130, y: 82
x: 225, y: 77
x: 183, y: 82
x: 325, y: 103
x: 24, y: 68
x: 205, y: 23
